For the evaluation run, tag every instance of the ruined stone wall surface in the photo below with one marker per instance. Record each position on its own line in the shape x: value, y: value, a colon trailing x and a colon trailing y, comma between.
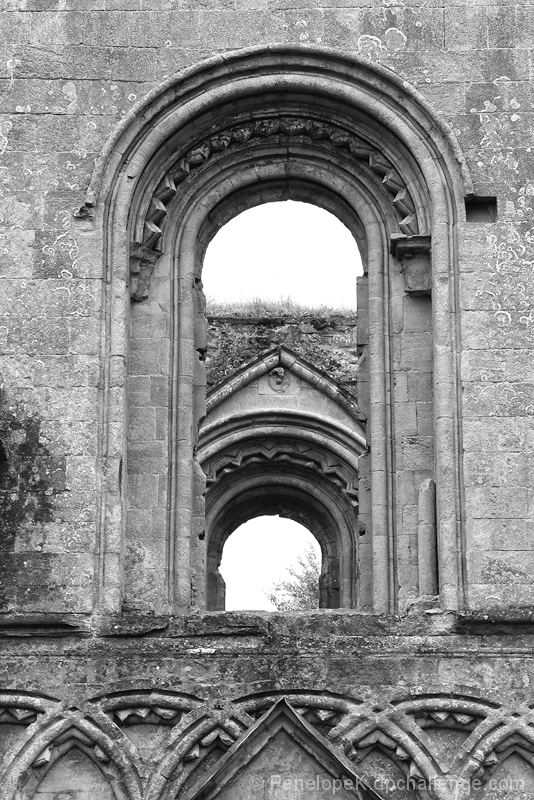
x: 327, y: 341
x: 70, y: 72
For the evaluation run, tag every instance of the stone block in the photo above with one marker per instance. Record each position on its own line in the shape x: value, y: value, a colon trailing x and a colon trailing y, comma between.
x: 143, y: 491
x: 509, y: 502
x: 385, y: 30
x: 425, y: 418
x: 229, y: 29
x: 16, y: 253
x: 502, y: 329
x: 406, y: 419
x: 417, y: 453
x: 38, y: 336
x: 146, y: 356
x: 502, y: 434
x: 497, y: 399
x: 147, y: 457
x: 142, y: 424
x: 139, y: 388
x: 304, y: 26
x: 500, y: 534
x: 169, y: 29
x: 497, y: 469
x: 466, y: 28
x: 162, y: 424
x: 84, y: 335
x: 149, y: 319
x: 417, y: 351
x: 69, y: 437
x: 511, y: 26
x: 81, y: 474
x: 66, y: 371
x: 417, y: 315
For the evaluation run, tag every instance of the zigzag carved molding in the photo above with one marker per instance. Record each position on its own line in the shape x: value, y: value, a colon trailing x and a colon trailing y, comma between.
x: 271, y: 451
x: 145, y: 253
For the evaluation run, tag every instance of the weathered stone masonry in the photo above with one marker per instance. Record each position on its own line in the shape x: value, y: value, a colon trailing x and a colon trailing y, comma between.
x: 130, y: 132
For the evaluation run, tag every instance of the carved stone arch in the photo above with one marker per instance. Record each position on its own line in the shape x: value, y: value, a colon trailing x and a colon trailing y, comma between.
x: 275, y: 191
x: 327, y: 712
x: 346, y: 129
x: 46, y: 747
x: 399, y: 743
x: 297, y: 462
x: 300, y: 738
x: 202, y: 738
x: 490, y: 746
x: 21, y: 716
x: 144, y: 721
x: 445, y: 724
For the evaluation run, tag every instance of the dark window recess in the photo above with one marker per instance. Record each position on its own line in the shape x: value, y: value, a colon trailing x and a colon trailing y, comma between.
x: 481, y: 209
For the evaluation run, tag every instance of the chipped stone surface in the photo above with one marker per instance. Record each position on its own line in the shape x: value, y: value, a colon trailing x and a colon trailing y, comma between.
x: 71, y: 71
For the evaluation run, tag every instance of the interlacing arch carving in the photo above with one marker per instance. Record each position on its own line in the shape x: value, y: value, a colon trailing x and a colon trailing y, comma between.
x: 51, y: 738
x: 193, y: 734
x: 508, y: 731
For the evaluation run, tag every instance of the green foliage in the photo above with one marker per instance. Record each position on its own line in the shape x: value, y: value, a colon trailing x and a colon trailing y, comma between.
x: 299, y: 592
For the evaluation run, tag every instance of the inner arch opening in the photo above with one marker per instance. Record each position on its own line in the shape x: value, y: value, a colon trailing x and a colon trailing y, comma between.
x: 279, y: 251
x: 280, y: 276
x: 256, y: 558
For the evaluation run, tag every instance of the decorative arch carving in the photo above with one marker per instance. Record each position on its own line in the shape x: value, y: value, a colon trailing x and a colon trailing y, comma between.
x: 201, y: 732
x: 50, y: 743
x: 253, y: 133
x: 488, y: 747
x: 292, y: 462
x: 199, y: 149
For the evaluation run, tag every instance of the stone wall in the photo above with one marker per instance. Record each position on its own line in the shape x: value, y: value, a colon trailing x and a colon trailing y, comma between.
x: 327, y: 340
x: 71, y: 75
x: 435, y: 693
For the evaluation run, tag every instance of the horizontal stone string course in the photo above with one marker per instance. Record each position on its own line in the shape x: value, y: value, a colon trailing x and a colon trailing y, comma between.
x: 144, y: 254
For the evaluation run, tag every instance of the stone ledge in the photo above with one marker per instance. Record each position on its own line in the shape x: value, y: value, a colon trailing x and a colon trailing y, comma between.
x: 293, y: 626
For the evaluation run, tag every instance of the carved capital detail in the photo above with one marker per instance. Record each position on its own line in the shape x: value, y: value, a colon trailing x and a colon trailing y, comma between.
x: 413, y: 253
x: 142, y: 263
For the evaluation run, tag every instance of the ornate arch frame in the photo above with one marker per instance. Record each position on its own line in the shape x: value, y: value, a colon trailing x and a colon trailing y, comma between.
x: 344, y: 134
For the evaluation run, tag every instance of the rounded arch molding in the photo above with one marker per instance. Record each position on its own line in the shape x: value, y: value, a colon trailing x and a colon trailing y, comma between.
x: 238, y: 130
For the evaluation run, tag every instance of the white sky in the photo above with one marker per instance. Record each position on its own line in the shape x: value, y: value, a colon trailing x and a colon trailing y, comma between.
x: 274, y: 251
x: 281, y: 250
x: 258, y: 554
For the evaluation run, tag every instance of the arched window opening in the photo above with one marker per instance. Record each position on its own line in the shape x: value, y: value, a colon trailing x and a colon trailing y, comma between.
x: 282, y: 251
x: 282, y: 273
x: 277, y: 127
x: 257, y: 557
x: 280, y: 279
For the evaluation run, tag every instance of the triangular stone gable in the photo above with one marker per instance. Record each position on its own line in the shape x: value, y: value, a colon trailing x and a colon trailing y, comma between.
x: 282, y: 751
x: 281, y: 379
